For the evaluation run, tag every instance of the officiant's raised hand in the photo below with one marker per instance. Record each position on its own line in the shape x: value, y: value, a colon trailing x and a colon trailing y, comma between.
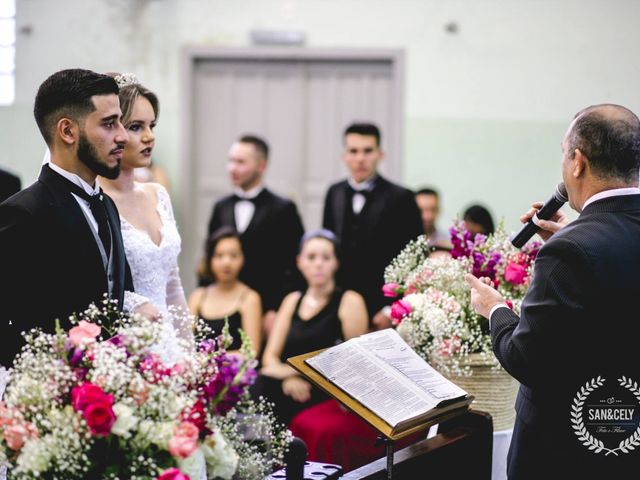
x: 483, y: 296
x: 547, y: 227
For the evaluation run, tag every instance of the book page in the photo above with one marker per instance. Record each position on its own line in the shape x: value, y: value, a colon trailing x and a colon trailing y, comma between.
x: 371, y: 382
x: 389, y: 347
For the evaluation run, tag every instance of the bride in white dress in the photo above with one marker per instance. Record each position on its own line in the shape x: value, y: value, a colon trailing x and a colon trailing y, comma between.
x: 151, y: 238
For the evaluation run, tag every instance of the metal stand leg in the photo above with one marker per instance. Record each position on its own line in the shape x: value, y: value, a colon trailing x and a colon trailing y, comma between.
x: 388, y: 445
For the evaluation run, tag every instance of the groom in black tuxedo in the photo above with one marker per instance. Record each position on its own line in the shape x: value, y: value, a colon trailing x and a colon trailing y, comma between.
x: 60, y: 241
x: 269, y: 225
x: 579, y: 319
x: 373, y: 218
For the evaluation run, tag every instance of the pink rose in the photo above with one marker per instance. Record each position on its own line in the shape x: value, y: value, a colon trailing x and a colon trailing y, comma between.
x: 197, y: 415
x: 399, y: 310
x: 184, y: 441
x: 17, y: 434
x: 84, y: 334
x: 173, y: 474
x: 515, y: 273
x: 390, y: 290
x: 450, y: 346
x: 100, y: 418
x: 86, y: 394
x: 8, y: 416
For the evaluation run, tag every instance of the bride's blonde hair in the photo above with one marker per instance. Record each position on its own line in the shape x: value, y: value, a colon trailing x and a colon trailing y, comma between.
x: 130, y: 90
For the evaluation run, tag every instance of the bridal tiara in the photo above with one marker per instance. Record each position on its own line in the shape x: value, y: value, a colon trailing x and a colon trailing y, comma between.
x: 126, y: 79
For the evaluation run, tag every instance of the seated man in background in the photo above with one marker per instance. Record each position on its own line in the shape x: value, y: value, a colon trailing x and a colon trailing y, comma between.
x: 428, y: 201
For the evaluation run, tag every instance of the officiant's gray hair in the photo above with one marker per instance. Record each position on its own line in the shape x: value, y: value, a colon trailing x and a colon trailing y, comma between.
x: 130, y: 91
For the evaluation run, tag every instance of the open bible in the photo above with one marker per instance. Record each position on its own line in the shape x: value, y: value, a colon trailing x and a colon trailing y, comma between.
x: 380, y: 372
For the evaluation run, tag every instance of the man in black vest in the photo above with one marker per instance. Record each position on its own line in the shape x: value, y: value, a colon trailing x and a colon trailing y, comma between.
x: 60, y: 241
x: 9, y: 184
x: 578, y: 330
x: 373, y: 218
x: 269, y: 226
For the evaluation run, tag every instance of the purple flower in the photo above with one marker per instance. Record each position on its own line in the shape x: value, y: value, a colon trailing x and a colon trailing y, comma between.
x: 207, y: 346
x: 225, y: 388
x: 76, y: 357
x: 483, y: 267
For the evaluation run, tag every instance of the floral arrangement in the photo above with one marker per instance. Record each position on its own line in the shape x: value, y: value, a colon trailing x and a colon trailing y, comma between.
x: 433, y: 312
x: 80, y: 407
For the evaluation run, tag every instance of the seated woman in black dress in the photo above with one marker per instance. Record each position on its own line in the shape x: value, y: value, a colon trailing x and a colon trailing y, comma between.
x: 320, y: 317
x: 227, y: 297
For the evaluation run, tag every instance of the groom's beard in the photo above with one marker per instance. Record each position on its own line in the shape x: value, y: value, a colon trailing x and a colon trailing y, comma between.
x: 89, y: 156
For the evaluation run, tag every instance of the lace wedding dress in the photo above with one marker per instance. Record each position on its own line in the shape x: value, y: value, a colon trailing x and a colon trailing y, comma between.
x: 155, y: 273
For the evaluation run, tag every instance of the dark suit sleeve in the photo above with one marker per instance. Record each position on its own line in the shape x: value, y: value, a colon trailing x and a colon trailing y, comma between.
x: 214, y: 221
x: 409, y: 222
x: 530, y: 346
x: 327, y: 215
x: 292, y: 230
x: 17, y: 251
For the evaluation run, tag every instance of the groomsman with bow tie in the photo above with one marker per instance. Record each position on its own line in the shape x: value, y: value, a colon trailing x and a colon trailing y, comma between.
x: 60, y: 242
x: 269, y: 225
x: 373, y: 218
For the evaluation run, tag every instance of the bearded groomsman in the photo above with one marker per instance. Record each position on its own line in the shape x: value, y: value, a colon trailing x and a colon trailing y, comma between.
x: 269, y: 225
x: 60, y: 241
x: 373, y: 218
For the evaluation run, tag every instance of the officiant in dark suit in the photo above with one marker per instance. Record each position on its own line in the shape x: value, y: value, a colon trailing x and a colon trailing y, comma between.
x: 373, y: 218
x: 60, y: 241
x: 269, y: 225
x: 9, y: 184
x: 579, y: 319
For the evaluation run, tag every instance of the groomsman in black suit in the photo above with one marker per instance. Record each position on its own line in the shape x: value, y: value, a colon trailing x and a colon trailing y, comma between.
x: 577, y: 333
x: 373, y: 218
x: 9, y: 184
x: 60, y: 241
x: 269, y: 225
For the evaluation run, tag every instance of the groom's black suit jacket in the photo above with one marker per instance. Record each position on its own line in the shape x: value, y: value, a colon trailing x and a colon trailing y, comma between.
x: 9, y: 184
x: 270, y: 244
x: 50, y: 262
x: 369, y: 241
x: 579, y: 320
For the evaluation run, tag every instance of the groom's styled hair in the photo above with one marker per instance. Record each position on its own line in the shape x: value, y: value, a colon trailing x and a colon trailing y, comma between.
x: 68, y: 93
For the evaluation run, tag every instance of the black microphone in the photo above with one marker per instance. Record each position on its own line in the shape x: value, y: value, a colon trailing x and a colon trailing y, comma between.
x: 295, y: 459
x: 550, y: 207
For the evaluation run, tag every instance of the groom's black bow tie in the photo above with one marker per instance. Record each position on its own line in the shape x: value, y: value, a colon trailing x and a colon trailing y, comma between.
x: 237, y: 198
x: 98, y: 209
x: 365, y: 193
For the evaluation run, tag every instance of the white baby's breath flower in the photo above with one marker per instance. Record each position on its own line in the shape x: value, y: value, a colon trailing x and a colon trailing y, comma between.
x: 34, y: 458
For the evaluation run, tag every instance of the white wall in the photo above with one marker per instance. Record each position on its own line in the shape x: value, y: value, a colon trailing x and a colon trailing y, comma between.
x: 486, y: 107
